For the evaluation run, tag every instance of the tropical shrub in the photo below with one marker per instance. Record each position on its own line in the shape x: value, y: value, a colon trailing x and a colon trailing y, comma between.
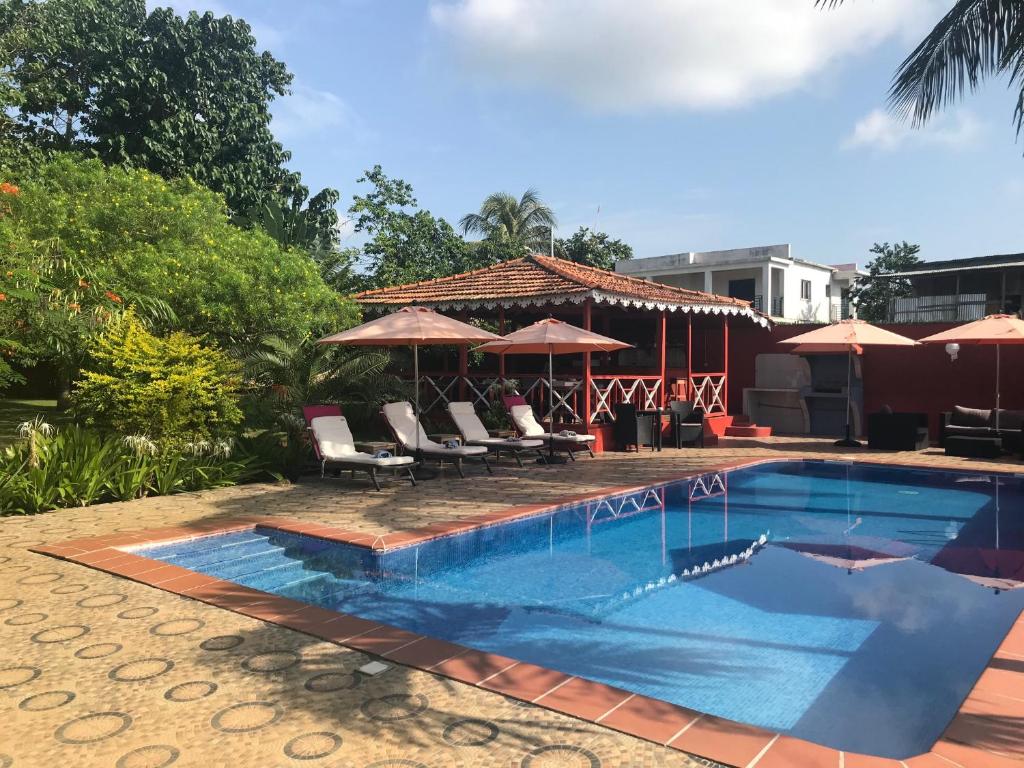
x: 75, y: 467
x: 173, y: 389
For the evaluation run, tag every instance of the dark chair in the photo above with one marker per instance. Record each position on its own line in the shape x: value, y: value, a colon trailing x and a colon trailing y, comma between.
x: 632, y: 428
x: 687, y: 424
x: 898, y: 431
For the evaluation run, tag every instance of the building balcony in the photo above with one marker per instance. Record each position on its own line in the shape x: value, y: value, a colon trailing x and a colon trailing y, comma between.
x: 777, y: 305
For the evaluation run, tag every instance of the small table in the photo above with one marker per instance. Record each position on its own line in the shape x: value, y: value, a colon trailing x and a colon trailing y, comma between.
x: 974, y: 447
x: 444, y: 437
x: 372, y: 446
x: 656, y: 426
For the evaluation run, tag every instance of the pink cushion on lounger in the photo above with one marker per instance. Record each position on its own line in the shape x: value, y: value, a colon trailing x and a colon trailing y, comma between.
x: 310, y: 412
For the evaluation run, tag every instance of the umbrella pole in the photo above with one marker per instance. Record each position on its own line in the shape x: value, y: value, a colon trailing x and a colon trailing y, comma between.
x: 552, y: 459
x: 848, y: 441
x: 416, y: 376
x: 997, y: 387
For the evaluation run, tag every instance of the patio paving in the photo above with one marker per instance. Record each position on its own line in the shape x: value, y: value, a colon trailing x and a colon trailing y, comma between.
x: 100, y: 671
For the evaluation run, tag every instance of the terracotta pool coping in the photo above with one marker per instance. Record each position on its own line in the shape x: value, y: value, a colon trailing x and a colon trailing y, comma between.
x: 975, y: 738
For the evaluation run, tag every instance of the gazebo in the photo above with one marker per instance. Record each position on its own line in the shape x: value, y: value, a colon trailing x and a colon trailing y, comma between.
x: 680, y: 339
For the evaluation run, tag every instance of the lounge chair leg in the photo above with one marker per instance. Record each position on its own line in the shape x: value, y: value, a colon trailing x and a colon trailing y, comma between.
x: 323, y: 468
x: 458, y: 468
x: 519, y: 461
x: 572, y: 454
x: 591, y: 450
x: 487, y: 464
x: 543, y: 458
x: 412, y: 478
x: 373, y: 477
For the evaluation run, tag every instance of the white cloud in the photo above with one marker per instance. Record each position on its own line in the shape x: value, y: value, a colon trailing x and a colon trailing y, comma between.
x: 307, y: 111
x: 622, y: 54
x: 880, y: 130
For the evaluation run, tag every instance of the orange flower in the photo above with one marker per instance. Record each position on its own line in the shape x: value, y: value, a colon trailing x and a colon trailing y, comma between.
x: 9, y: 189
x: 3, y: 297
x: 112, y: 296
x: 74, y: 306
x: 83, y: 283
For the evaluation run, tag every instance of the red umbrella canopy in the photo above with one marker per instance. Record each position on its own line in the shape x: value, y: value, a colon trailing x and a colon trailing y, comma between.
x: 994, y: 329
x: 1000, y: 568
x: 849, y: 335
x: 411, y: 326
x: 550, y: 336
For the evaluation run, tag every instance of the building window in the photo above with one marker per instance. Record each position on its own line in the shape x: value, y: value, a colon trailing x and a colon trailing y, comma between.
x: 805, y: 290
x: 828, y: 291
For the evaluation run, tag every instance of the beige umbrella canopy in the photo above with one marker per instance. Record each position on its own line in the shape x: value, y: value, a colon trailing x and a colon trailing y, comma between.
x: 551, y: 337
x: 415, y: 327
x: 994, y: 330
x: 849, y: 336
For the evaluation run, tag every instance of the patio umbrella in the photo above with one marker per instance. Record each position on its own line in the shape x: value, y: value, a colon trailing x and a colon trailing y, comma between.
x: 994, y: 329
x: 981, y: 558
x: 849, y: 336
x: 551, y: 337
x: 849, y: 557
x: 415, y: 327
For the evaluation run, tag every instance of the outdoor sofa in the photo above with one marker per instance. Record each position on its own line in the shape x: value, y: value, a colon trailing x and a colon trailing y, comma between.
x: 898, y: 431
x: 981, y: 423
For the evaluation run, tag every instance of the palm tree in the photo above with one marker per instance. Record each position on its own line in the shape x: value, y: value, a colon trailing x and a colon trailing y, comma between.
x: 975, y: 40
x: 524, y: 224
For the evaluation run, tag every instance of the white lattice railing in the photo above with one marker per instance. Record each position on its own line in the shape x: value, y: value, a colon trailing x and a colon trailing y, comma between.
x: 708, y: 392
x: 625, y: 506
x: 608, y: 391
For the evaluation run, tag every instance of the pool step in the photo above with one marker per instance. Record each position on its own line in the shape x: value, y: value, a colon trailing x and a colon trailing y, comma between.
x: 225, y: 556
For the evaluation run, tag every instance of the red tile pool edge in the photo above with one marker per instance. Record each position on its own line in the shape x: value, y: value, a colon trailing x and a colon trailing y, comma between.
x: 974, y: 739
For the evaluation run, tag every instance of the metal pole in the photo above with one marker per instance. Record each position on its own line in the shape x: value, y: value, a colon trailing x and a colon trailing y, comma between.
x: 416, y: 376
x: 849, y: 387
x: 997, y: 387
x: 551, y: 401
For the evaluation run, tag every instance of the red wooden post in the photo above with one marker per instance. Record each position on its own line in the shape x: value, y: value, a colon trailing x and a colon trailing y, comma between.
x: 463, y: 370
x: 463, y: 363
x: 689, y: 356
x: 725, y: 358
x: 662, y: 349
x: 587, y: 394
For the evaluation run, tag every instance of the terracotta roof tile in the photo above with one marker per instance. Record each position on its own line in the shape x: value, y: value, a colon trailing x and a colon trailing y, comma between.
x: 539, y: 276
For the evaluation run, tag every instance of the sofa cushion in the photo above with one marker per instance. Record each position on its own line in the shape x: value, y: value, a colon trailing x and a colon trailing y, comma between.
x: 1010, y: 419
x: 955, y: 430
x: 970, y: 417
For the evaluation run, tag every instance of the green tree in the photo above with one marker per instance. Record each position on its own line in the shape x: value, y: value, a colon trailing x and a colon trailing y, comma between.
x: 178, y: 96
x: 595, y: 249
x: 174, y: 390
x: 873, y: 294
x: 90, y: 239
x: 976, y: 40
x: 523, y: 225
x: 405, y: 244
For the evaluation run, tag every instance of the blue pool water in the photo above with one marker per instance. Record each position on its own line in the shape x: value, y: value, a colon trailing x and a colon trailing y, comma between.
x: 860, y: 622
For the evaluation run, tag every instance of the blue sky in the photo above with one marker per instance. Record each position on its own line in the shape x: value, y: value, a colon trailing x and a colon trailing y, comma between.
x: 675, y: 125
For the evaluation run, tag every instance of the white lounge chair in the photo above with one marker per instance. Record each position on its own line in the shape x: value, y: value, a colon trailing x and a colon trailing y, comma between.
x: 404, y: 426
x: 334, y: 445
x: 474, y: 432
x: 526, y: 425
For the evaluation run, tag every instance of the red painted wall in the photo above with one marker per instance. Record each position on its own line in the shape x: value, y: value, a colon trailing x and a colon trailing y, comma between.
x: 918, y: 379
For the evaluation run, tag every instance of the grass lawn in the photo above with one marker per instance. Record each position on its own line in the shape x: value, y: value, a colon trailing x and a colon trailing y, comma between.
x: 13, y: 412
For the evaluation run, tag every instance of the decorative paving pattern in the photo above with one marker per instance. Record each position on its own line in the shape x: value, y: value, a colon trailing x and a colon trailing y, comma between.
x: 101, y: 671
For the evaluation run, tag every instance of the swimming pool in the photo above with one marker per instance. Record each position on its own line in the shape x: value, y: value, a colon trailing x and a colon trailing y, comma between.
x: 842, y: 604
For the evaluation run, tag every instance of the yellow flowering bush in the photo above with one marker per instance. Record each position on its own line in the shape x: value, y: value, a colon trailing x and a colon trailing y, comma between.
x: 174, y: 389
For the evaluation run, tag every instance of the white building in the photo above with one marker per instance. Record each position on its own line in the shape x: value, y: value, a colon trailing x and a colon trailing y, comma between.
x: 776, y: 283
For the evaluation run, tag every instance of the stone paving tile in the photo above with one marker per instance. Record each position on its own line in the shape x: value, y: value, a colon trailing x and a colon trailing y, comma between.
x: 96, y: 670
